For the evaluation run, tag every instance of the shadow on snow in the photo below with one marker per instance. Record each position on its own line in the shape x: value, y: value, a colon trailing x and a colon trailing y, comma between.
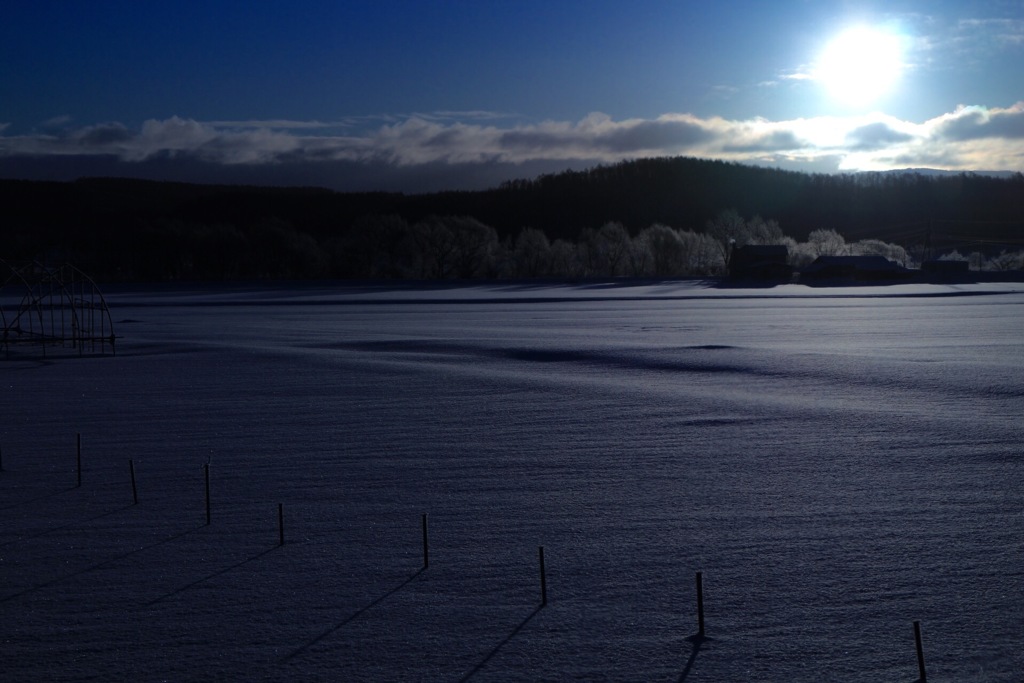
x: 351, y: 618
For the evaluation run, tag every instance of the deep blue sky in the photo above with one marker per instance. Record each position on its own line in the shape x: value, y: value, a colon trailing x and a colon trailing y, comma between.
x: 427, y: 95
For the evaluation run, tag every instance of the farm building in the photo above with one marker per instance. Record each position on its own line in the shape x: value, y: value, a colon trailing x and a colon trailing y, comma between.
x: 949, y: 269
x: 853, y: 269
x: 765, y: 262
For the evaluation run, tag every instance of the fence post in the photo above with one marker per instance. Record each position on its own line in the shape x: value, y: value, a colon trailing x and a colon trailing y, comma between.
x: 543, y: 578
x: 920, y: 652
x: 280, y: 523
x: 700, y: 605
x: 135, y: 491
x: 206, y: 476
x: 426, y: 543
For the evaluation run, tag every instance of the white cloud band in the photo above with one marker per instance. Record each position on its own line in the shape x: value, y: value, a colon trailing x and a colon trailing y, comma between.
x: 970, y: 138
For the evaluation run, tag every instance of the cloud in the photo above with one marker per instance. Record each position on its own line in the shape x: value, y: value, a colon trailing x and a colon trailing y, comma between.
x: 972, y: 123
x: 764, y: 141
x: 802, y: 74
x: 599, y: 135
x: 969, y: 138
x: 56, y: 122
x: 101, y: 136
x: 999, y: 32
x: 281, y: 124
x: 967, y: 44
x: 473, y: 114
x: 878, y: 135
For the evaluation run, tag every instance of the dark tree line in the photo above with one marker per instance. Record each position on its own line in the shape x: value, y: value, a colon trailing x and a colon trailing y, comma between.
x: 660, y: 217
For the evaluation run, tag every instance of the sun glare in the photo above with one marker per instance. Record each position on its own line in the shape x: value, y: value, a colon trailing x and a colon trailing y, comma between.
x: 860, y: 65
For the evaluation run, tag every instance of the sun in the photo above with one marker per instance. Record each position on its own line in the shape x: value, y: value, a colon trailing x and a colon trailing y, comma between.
x: 860, y: 65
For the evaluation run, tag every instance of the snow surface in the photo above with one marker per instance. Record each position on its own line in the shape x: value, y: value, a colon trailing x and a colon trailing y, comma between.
x: 838, y: 463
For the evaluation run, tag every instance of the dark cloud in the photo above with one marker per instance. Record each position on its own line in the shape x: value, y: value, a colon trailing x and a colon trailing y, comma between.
x: 974, y: 123
x: 776, y: 141
x: 530, y: 140
x: 940, y: 158
x: 653, y: 135
x: 445, y: 138
x: 599, y: 136
x: 103, y: 135
x: 875, y: 136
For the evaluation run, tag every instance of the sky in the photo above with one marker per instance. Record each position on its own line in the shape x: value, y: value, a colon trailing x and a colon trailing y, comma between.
x: 420, y: 96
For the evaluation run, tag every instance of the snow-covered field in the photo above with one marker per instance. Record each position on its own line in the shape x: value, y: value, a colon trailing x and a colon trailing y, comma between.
x: 838, y: 463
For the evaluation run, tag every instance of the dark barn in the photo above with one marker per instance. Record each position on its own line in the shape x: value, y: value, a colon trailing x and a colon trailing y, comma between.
x: 762, y: 262
x: 844, y: 269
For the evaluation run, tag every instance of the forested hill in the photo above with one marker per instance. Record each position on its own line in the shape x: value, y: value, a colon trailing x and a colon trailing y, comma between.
x: 103, y: 220
x: 686, y: 193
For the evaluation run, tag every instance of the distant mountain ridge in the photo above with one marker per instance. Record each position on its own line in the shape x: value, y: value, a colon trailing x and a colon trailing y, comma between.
x: 944, y: 172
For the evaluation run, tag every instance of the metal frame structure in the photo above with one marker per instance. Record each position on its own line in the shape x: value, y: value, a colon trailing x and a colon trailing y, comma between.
x: 57, y: 307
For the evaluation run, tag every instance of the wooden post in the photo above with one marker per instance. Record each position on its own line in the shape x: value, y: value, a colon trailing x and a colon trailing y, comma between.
x: 543, y: 578
x: 135, y: 491
x: 426, y: 543
x: 206, y: 473
x: 79, y: 451
x: 280, y: 523
x: 700, y: 605
x: 920, y: 652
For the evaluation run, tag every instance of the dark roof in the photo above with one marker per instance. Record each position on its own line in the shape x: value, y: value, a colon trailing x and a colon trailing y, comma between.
x: 760, y: 262
x: 872, y: 262
x: 946, y: 266
x: 764, y: 249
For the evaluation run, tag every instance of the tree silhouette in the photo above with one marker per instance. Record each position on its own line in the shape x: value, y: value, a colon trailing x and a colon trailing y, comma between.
x: 532, y: 253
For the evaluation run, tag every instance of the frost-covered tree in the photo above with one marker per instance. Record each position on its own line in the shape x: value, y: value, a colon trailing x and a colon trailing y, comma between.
x: 532, y: 253
x: 565, y: 260
x: 871, y: 247
x: 760, y: 231
x: 279, y: 250
x: 1006, y: 261
x: 801, y: 254
x: 475, y: 246
x: 374, y: 246
x: 588, y: 252
x: 436, y: 247
x: 612, y: 243
x: 705, y: 254
x: 727, y: 230
x: 825, y: 242
x: 638, y: 257
x: 666, y: 248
